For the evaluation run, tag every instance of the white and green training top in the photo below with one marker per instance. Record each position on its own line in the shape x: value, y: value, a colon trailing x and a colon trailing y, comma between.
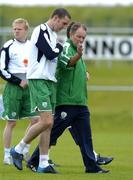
x: 43, y: 53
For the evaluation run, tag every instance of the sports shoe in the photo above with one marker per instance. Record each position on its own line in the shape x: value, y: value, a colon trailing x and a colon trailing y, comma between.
x: 103, y: 160
x: 48, y: 169
x: 100, y: 171
x: 31, y: 167
x: 17, y: 159
x: 8, y: 160
x: 52, y: 163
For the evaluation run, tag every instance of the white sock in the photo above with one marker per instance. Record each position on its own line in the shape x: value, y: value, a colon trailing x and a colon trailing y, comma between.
x: 95, y: 155
x: 26, y: 149
x: 48, y: 153
x: 20, y: 147
x: 7, y: 152
x: 43, y: 161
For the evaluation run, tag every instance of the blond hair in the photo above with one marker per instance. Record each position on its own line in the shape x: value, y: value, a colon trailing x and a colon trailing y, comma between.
x: 21, y: 21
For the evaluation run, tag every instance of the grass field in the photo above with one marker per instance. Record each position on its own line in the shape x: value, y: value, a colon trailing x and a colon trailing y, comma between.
x: 112, y: 128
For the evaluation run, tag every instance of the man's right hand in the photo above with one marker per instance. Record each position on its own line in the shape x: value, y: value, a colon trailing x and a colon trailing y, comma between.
x: 80, y: 49
x: 23, y: 84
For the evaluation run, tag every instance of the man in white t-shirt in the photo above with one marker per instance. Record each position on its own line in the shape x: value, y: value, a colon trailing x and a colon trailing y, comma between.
x: 41, y: 76
x: 16, y: 96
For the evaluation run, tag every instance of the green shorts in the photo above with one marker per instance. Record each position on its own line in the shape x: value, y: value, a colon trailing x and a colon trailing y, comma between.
x: 16, y: 102
x: 43, y: 94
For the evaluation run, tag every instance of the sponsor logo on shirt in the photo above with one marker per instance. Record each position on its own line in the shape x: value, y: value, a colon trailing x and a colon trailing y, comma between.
x: 25, y: 61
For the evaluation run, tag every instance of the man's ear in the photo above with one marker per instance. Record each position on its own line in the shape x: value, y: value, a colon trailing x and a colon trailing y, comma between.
x: 55, y: 17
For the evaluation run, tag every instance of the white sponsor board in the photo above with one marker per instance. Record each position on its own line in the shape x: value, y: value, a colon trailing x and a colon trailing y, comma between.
x: 109, y: 47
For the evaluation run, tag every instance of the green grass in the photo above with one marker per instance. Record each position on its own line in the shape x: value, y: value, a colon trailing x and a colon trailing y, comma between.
x: 110, y: 72
x: 110, y: 137
x: 95, y: 16
x: 112, y: 129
